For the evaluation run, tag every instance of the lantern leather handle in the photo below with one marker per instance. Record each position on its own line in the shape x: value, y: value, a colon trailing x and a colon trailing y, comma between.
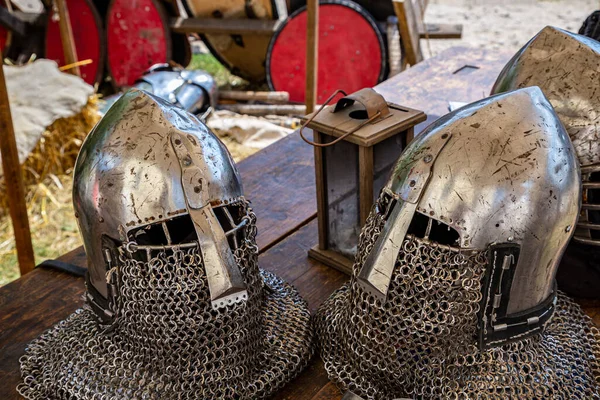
x: 348, y: 100
x: 372, y: 101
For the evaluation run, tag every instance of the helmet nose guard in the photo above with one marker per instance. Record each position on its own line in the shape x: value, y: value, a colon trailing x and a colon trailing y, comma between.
x: 225, y: 281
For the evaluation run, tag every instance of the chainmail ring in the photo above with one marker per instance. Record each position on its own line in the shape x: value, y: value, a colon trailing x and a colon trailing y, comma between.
x: 168, y: 342
x: 422, y: 342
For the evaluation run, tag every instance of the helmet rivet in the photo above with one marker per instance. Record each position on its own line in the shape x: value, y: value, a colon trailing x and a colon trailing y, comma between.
x: 100, y: 219
x: 197, y: 189
x: 428, y: 158
x: 510, y: 238
x: 568, y: 228
x: 412, y: 183
x: 187, y: 161
x: 445, y: 136
x: 177, y: 142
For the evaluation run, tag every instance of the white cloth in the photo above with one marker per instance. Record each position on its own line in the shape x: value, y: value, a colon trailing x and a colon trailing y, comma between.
x: 247, y: 130
x: 39, y: 94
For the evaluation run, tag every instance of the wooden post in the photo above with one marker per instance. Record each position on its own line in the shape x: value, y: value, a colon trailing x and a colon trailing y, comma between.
x: 312, y: 55
x: 365, y: 182
x: 322, y: 208
x: 409, y: 31
x: 14, y: 182
x: 66, y: 36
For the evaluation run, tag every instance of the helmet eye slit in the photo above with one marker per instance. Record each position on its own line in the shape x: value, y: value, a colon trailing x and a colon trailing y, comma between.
x: 232, y: 218
x: 433, y: 230
x: 385, y: 204
x: 179, y: 230
x: 167, y: 234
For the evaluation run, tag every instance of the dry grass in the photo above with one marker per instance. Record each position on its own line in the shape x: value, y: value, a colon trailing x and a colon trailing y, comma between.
x: 53, y: 226
x: 47, y: 176
x: 55, y: 153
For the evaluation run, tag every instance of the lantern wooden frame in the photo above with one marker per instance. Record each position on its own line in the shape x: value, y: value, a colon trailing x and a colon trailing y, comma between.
x: 333, y: 122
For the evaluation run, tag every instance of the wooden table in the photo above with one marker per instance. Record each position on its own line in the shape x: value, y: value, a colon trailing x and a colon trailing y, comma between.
x: 280, y: 183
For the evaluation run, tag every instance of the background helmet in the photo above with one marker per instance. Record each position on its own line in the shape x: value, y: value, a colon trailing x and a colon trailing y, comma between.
x: 192, y: 90
x: 566, y: 67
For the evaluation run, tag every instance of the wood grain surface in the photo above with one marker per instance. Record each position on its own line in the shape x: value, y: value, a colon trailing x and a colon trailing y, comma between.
x: 279, y: 181
x: 457, y: 74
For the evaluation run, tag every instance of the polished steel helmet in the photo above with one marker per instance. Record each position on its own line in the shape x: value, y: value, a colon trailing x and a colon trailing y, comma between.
x: 566, y: 67
x: 500, y: 176
x: 453, y: 292
x: 150, y: 173
x: 177, y: 306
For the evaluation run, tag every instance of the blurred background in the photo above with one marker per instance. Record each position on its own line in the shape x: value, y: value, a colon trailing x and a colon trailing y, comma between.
x: 48, y: 146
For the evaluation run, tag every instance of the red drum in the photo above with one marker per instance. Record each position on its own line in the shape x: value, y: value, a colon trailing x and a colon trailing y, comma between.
x: 89, y: 40
x: 352, y: 53
x: 138, y: 37
x: 3, y: 39
x: 4, y: 35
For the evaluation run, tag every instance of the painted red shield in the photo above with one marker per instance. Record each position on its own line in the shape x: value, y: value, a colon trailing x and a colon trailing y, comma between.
x: 137, y: 38
x: 3, y: 34
x: 89, y: 41
x: 351, y: 52
x: 3, y: 38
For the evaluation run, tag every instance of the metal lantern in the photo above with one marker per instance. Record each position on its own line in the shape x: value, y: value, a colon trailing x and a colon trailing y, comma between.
x: 356, y: 144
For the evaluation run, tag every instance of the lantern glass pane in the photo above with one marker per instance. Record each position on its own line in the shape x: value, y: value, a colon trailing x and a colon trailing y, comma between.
x: 385, y: 154
x: 341, y: 177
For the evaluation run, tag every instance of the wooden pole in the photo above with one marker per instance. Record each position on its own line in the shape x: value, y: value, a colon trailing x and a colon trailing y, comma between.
x: 268, y: 97
x: 409, y: 31
x: 14, y: 182
x: 265, y: 109
x: 66, y: 36
x: 312, y: 56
